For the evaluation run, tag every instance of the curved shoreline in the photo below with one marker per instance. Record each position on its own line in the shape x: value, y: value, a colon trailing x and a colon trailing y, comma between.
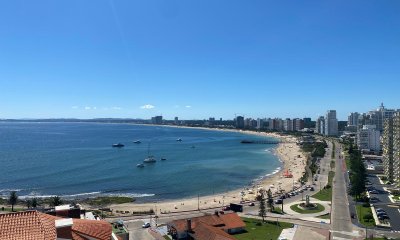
x: 289, y: 155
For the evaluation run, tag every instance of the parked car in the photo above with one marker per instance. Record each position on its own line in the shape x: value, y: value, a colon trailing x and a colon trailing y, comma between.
x: 278, y: 201
x: 146, y: 225
x: 379, y: 210
x: 292, y: 194
x: 226, y: 208
x: 251, y: 204
x: 311, y: 188
x: 383, y: 217
x: 282, y: 197
x: 373, y: 192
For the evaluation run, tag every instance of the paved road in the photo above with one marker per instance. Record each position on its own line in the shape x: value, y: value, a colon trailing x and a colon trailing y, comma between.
x: 392, y: 212
x: 342, y: 227
x: 136, y: 231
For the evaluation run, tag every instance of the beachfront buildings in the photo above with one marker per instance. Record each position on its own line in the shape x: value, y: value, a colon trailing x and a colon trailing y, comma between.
x: 320, y: 125
x: 212, y: 227
x: 391, y: 148
x: 387, y: 145
x: 369, y: 138
x: 352, y: 119
x: 331, y: 123
x: 376, y: 117
x: 157, y: 120
x: 239, y: 122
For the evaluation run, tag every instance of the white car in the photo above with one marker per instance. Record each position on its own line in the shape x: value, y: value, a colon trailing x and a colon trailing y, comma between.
x: 146, y: 225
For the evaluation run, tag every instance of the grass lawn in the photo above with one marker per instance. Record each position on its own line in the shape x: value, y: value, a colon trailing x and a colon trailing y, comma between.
x: 361, y: 212
x: 326, y: 193
x: 277, y: 210
x: 319, y: 208
x: 326, y: 216
x: 267, y: 230
x: 166, y: 237
x: 101, y: 201
x: 7, y: 209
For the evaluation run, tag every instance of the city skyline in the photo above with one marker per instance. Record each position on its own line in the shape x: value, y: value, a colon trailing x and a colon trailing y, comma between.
x: 265, y: 59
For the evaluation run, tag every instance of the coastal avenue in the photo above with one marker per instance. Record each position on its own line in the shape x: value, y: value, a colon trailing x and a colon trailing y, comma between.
x: 342, y: 227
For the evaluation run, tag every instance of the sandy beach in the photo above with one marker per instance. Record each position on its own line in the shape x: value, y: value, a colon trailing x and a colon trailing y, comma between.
x: 292, y: 159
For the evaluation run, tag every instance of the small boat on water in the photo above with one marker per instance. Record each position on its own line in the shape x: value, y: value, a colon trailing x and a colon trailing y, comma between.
x: 119, y: 145
x: 137, y: 141
x: 163, y: 159
x: 149, y: 159
x: 193, y: 146
x: 179, y: 140
x: 140, y: 165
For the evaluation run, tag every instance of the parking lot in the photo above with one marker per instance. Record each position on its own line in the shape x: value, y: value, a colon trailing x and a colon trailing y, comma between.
x: 380, y: 199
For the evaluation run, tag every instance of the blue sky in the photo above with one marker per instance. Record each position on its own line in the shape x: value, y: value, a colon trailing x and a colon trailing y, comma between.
x: 197, y: 59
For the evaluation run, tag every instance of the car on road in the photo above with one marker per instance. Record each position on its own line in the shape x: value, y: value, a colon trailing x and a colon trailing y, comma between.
x: 282, y: 197
x: 311, y: 189
x: 379, y: 210
x: 146, y: 225
x: 251, y: 204
x: 292, y: 194
x: 278, y: 201
x: 373, y: 192
x: 226, y: 208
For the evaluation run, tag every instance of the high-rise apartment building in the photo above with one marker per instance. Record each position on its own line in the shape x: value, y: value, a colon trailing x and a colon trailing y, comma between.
x: 352, y: 120
x: 391, y: 148
x: 320, y: 125
x: 331, y: 124
x: 387, y: 145
x: 239, y: 122
x: 369, y: 138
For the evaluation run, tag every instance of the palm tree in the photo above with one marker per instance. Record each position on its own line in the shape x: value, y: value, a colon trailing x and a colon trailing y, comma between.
x: 13, y: 199
x: 270, y: 200
x: 56, y: 201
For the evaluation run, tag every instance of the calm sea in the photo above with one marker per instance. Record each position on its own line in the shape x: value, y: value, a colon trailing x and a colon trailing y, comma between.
x: 76, y: 159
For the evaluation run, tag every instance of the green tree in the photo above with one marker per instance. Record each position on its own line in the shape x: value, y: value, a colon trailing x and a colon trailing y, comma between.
x: 34, y: 202
x: 28, y: 203
x: 13, y: 199
x: 262, y: 211
x: 270, y: 200
x: 56, y: 201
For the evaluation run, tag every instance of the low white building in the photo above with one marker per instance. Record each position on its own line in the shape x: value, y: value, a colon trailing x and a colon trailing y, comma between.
x: 369, y: 138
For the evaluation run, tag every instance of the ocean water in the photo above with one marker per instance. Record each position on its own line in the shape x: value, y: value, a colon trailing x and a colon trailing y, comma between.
x: 76, y: 159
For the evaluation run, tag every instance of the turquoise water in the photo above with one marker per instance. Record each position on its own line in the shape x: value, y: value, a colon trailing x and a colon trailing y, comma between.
x: 76, y: 159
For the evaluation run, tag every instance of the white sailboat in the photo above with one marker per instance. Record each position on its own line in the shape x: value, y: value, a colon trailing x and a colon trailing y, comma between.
x: 150, y: 158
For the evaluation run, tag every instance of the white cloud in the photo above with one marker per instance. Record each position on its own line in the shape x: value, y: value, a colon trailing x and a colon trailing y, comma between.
x: 74, y: 107
x: 117, y: 108
x: 94, y: 108
x: 87, y: 108
x: 147, y: 106
x: 188, y: 106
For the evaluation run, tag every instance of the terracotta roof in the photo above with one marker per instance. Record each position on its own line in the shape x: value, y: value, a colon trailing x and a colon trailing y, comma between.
x: 224, y: 221
x: 92, y: 228
x: 33, y: 225
x: 206, y: 232
x: 232, y: 220
x: 27, y: 225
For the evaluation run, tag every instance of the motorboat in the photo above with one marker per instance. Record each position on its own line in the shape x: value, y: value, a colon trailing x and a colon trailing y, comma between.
x: 179, y: 140
x: 119, y: 145
x: 137, y: 141
x: 140, y: 165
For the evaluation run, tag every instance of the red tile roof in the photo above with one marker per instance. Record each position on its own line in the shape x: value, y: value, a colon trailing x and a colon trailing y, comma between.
x: 101, y: 230
x: 232, y: 220
x: 26, y: 226
x: 207, y: 232
x: 33, y: 225
x: 222, y: 221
